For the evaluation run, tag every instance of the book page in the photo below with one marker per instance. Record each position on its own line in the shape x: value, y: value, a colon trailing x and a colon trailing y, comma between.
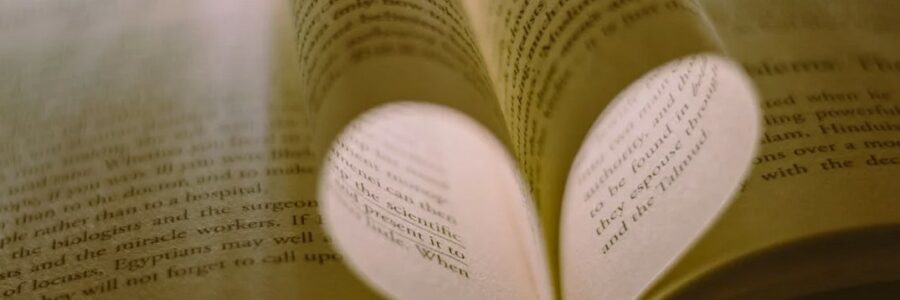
x: 658, y: 166
x: 476, y: 236
x: 426, y: 203
x: 354, y: 56
x: 149, y: 153
x: 828, y: 77
x: 557, y: 64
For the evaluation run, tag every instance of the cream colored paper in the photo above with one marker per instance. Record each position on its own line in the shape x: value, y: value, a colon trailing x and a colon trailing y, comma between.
x: 148, y: 152
x: 657, y: 167
x: 824, y: 72
x: 426, y: 203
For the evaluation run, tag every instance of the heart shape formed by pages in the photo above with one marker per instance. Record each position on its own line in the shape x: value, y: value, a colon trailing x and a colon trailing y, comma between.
x: 424, y: 202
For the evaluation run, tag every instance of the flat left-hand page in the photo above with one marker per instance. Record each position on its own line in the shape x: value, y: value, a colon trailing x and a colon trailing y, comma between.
x: 150, y: 150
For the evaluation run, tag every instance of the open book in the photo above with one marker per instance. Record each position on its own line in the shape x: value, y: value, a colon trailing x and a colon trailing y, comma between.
x: 449, y: 149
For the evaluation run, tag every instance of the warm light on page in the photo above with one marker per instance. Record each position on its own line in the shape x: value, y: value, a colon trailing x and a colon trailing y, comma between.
x: 422, y: 201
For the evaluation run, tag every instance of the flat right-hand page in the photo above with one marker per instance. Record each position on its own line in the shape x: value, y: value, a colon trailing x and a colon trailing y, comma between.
x: 828, y: 73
